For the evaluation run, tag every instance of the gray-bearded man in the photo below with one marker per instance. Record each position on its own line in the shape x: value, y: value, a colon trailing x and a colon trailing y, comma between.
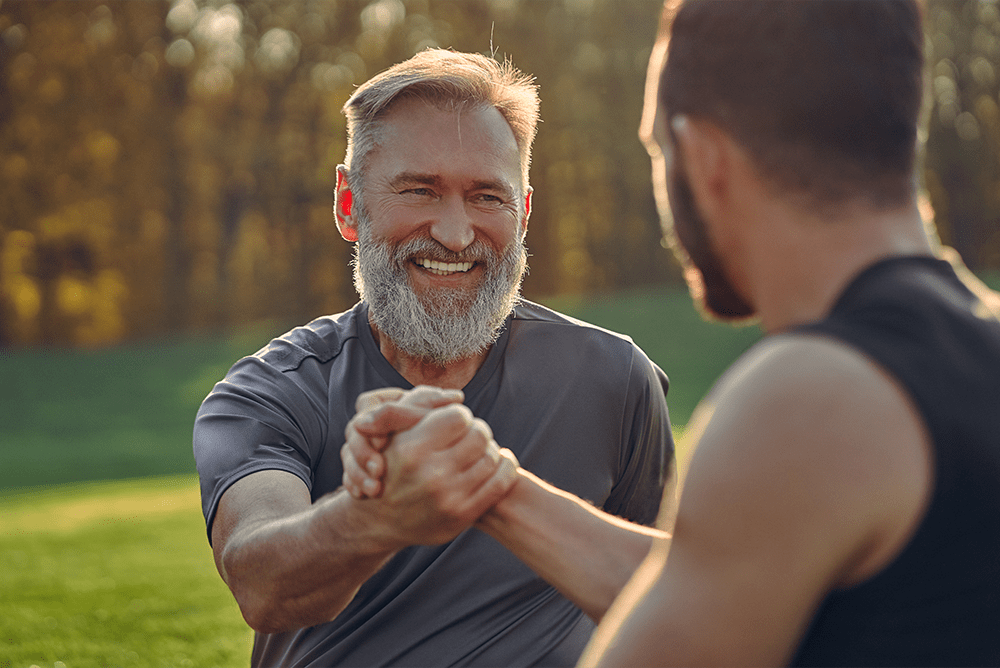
x: 463, y: 558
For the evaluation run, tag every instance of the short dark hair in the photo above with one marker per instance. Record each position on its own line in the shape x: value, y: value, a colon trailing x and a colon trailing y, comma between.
x: 825, y: 95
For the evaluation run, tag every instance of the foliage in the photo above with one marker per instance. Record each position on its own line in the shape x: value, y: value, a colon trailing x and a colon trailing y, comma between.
x: 962, y: 171
x: 168, y: 166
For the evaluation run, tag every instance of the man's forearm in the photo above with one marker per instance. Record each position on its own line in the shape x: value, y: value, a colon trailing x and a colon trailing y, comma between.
x: 304, y: 569
x: 585, y: 553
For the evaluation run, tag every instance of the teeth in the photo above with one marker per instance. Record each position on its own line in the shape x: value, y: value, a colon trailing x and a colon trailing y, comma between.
x: 443, y: 268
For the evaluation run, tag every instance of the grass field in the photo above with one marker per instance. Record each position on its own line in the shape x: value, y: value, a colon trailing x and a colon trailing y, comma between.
x: 126, y: 412
x: 114, y: 574
x: 103, y: 557
x: 102, y: 544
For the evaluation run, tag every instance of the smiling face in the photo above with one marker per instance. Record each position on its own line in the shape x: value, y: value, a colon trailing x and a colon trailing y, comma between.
x: 440, y: 253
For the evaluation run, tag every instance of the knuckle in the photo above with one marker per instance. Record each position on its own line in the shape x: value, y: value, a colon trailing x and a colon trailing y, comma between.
x: 482, y: 427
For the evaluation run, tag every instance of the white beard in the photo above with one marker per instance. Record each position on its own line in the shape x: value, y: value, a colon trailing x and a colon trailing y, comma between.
x: 446, y: 325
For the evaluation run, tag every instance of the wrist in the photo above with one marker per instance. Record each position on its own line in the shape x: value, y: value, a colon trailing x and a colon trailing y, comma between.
x: 512, y: 505
x: 361, y: 522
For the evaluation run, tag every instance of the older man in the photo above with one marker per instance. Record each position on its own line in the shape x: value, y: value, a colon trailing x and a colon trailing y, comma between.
x: 435, y: 192
x: 843, y: 504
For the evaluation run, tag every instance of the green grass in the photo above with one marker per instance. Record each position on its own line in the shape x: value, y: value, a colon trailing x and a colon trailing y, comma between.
x: 127, y: 412
x: 120, y: 573
x: 114, y: 574
x: 122, y: 412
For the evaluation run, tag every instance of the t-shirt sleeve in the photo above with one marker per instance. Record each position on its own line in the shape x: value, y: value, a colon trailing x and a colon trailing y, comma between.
x: 257, y: 418
x: 647, y: 455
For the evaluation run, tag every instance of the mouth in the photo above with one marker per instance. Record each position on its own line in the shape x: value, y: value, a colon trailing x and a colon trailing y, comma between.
x: 439, y: 268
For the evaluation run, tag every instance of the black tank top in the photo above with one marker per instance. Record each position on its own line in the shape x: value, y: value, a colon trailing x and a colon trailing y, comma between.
x: 938, y: 602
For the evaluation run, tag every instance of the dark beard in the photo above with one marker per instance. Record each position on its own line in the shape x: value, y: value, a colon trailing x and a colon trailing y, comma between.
x: 448, y: 325
x: 713, y: 293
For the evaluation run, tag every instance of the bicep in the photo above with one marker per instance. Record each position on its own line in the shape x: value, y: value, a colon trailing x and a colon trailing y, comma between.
x: 254, y: 500
x: 731, y: 591
x: 800, y: 475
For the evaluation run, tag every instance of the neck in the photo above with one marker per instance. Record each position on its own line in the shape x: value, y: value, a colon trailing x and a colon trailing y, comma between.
x: 798, y: 269
x: 420, y: 371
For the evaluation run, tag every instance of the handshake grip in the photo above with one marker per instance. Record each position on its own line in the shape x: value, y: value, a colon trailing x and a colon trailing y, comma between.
x: 433, y: 468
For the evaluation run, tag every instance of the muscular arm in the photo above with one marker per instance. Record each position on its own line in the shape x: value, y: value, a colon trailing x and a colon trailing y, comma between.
x: 585, y: 553
x: 811, y: 470
x: 292, y: 563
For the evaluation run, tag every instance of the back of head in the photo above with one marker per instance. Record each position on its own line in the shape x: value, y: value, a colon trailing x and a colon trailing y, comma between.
x: 443, y: 77
x: 824, y: 94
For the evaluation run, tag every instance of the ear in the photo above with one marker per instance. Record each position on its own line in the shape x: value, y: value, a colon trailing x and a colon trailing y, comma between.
x: 705, y: 152
x: 342, y: 207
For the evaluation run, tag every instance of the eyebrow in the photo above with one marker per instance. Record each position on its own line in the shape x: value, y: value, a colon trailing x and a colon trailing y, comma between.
x: 410, y: 178
x: 495, y: 185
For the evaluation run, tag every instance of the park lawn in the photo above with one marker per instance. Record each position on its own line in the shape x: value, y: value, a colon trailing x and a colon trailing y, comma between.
x: 116, y: 573
x: 127, y: 411
x: 120, y: 412
x: 120, y: 573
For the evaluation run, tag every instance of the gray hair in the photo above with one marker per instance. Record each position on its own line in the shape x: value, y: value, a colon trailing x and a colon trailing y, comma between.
x: 441, y: 76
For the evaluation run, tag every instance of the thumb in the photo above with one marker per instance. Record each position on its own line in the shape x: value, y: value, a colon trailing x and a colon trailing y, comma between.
x: 387, y: 420
x: 374, y: 398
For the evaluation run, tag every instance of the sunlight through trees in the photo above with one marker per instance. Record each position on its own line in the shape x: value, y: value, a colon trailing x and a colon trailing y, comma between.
x: 169, y: 166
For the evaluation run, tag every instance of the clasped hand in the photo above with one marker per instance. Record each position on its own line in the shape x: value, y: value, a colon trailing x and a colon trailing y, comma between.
x: 432, y: 466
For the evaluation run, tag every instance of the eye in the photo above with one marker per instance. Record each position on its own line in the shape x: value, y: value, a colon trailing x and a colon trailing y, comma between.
x: 488, y: 199
x: 419, y: 192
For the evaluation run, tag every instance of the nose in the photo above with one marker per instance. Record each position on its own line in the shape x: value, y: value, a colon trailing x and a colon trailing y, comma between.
x: 453, y: 228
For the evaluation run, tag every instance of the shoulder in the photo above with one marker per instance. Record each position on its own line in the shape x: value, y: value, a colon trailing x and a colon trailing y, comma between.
x: 797, y: 384
x: 528, y: 312
x: 322, y: 339
x: 540, y: 321
x: 597, y: 349
x: 807, y: 431
x: 278, y: 374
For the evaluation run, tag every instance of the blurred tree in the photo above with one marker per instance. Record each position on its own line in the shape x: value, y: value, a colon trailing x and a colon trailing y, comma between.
x: 169, y: 166
x: 962, y: 165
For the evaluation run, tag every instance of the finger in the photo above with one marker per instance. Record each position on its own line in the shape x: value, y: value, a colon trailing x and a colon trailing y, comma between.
x: 365, y: 450
x: 356, y: 479
x: 363, y: 466
x: 443, y: 427
x: 476, y: 447
x: 428, y: 396
x: 390, y: 409
x: 438, y: 429
x: 387, y: 419
x: 506, y: 453
x: 492, y: 488
x: 374, y: 398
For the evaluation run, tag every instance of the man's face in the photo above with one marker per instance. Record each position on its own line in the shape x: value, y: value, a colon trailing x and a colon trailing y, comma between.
x: 682, y: 224
x: 440, y: 253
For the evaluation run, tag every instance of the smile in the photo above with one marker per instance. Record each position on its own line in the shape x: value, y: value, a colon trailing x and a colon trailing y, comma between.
x: 443, y: 268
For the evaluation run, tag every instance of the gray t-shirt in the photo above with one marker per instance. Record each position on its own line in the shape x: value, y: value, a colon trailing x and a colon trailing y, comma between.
x: 581, y: 407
